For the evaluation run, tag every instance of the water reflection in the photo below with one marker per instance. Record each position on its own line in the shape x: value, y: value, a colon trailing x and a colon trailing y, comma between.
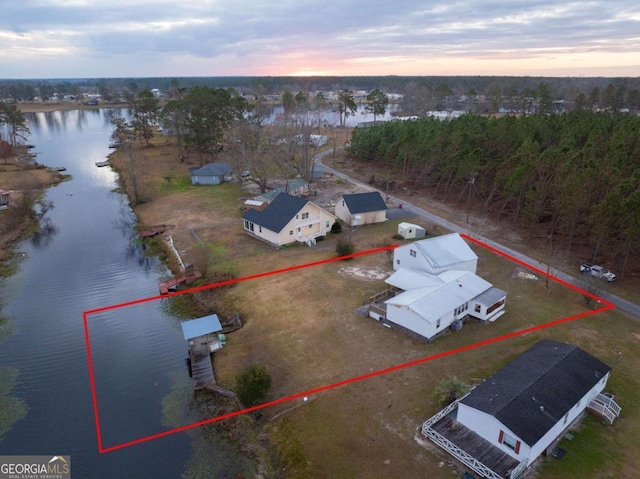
x: 45, y: 233
x: 84, y: 257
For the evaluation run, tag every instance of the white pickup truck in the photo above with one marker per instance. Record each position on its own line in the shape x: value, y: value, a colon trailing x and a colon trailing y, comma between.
x: 597, y: 271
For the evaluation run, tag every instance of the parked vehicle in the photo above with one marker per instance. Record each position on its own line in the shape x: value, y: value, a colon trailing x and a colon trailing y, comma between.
x: 597, y: 271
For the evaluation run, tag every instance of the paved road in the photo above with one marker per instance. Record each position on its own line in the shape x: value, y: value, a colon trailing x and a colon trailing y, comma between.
x: 412, y: 210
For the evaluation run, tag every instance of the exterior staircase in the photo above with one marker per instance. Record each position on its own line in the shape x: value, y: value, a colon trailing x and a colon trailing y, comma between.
x: 604, y: 406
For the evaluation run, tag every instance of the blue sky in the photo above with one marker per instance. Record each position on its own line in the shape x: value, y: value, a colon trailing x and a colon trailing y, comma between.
x: 135, y: 38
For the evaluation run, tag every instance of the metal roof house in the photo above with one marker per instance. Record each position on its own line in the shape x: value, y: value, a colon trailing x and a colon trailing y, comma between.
x: 211, y: 174
x: 361, y: 208
x: 503, y: 425
x: 436, y: 255
x: 288, y: 219
x: 434, y: 288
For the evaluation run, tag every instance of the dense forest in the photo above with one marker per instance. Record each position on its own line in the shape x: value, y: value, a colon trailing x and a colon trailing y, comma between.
x: 572, y: 178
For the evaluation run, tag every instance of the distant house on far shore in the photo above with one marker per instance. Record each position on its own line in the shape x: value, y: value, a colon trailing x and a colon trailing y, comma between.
x: 211, y: 174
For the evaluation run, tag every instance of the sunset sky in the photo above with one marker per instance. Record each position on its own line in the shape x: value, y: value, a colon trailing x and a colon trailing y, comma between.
x: 143, y: 38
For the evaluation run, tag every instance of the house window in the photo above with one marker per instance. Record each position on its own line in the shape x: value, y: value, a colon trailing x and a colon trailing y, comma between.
x: 290, y: 232
x: 412, y: 252
x: 305, y: 216
x: 438, y: 323
x: 566, y: 418
x: 397, y: 261
x: 495, y: 306
x: 327, y: 224
x: 260, y: 229
x: 248, y: 225
x: 511, y: 442
x: 310, y: 226
x: 477, y: 308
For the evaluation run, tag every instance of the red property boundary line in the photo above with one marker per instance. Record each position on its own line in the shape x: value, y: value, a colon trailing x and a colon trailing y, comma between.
x: 606, y: 306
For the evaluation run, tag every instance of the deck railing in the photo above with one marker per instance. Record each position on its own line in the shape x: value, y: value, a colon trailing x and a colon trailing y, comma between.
x: 606, y: 407
x: 460, y: 454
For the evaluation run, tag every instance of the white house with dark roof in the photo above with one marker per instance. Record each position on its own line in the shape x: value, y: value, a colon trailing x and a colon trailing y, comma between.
x: 434, y: 288
x: 361, y: 208
x: 503, y: 425
x: 288, y: 219
x: 211, y: 174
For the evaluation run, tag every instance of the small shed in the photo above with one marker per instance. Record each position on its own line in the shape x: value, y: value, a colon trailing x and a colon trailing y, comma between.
x: 211, y: 174
x: 410, y: 231
x: 203, y: 333
x: 5, y: 199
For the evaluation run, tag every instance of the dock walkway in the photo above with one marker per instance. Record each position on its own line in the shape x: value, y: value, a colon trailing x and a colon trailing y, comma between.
x: 172, y: 283
x: 202, y: 371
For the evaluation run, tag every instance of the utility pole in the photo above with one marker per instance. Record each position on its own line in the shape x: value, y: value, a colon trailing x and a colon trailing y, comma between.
x: 472, y: 182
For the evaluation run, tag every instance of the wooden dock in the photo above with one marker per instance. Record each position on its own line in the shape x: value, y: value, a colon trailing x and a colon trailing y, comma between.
x: 202, y: 371
x: 171, y: 285
x: 154, y: 230
x: 100, y: 164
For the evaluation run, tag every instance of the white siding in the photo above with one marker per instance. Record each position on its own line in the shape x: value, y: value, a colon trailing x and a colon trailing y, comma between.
x: 488, y: 427
x: 407, y: 318
x: 403, y: 258
x: 573, y: 413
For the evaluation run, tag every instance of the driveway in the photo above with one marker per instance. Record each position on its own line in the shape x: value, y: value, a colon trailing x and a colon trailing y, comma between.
x: 409, y: 210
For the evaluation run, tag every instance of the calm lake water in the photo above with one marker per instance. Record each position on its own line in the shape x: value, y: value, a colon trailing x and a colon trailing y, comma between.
x: 331, y: 117
x: 86, y: 260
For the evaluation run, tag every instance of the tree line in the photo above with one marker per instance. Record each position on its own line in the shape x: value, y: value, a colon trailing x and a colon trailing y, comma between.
x: 572, y: 178
x: 439, y: 90
x: 216, y: 123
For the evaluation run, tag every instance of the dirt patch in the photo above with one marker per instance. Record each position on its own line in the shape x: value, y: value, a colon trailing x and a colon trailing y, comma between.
x: 365, y: 274
x: 522, y: 274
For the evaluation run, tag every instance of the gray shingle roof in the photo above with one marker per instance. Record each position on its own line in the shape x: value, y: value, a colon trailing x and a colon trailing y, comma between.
x: 534, y: 391
x: 364, y: 202
x: 279, y: 212
x: 212, y: 169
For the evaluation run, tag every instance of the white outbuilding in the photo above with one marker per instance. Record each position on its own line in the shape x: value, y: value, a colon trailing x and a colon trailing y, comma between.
x: 410, y: 231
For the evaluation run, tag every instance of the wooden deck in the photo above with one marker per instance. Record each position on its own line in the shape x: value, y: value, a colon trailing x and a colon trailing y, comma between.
x: 154, y: 230
x: 166, y: 286
x: 202, y: 371
x: 474, y: 445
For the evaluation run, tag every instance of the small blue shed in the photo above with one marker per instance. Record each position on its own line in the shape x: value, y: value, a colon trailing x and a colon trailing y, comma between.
x: 195, y: 328
x: 211, y: 174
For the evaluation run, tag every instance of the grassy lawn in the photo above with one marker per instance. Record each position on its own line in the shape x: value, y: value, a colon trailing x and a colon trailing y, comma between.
x: 300, y: 326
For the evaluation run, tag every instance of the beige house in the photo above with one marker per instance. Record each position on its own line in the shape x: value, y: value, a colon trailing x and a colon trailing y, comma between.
x: 288, y: 219
x: 361, y: 208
